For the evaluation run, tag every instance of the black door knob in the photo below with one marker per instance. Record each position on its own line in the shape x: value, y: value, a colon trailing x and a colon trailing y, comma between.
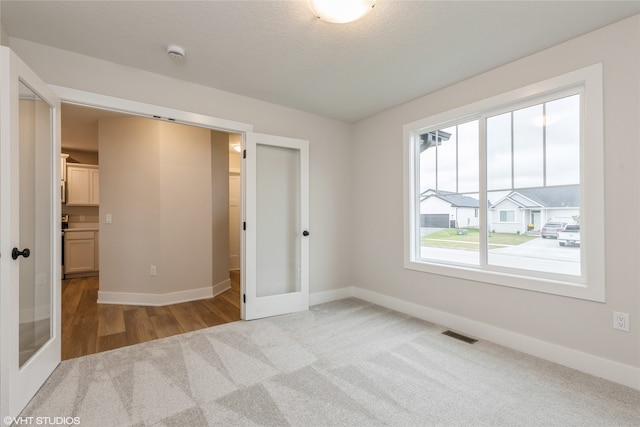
x: 305, y: 233
x: 15, y: 253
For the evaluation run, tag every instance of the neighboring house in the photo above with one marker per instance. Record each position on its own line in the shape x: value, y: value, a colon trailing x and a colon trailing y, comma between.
x: 514, y: 212
x: 444, y: 209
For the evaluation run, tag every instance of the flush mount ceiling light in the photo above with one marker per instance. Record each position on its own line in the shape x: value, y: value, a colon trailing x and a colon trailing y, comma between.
x: 175, y: 51
x: 341, y: 11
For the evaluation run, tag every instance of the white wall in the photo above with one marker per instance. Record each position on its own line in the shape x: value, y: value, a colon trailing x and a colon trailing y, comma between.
x: 564, y: 215
x: 468, y: 217
x: 464, y: 217
x: 581, y: 325
x: 435, y: 205
x: 518, y: 223
x: 330, y: 152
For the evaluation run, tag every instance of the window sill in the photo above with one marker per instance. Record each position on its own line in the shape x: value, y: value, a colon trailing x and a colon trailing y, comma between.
x: 539, y: 283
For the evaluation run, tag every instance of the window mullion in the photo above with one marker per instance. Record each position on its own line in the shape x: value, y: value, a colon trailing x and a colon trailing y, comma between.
x: 415, y: 145
x: 482, y: 196
x: 457, y: 165
x: 544, y: 144
x: 437, y: 171
x: 513, y: 179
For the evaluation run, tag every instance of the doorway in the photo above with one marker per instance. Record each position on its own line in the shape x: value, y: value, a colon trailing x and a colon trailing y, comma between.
x: 89, y: 326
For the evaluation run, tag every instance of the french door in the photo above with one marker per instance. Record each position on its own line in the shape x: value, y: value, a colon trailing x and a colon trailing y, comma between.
x: 276, y: 236
x: 29, y: 233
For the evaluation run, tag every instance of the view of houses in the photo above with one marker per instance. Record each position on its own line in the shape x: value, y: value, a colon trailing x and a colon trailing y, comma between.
x: 517, y: 211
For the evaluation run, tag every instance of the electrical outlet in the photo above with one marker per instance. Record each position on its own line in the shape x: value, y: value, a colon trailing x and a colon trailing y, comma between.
x: 621, y: 321
x: 153, y: 271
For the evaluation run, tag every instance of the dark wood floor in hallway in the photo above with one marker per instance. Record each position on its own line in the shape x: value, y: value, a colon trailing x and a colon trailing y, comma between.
x: 89, y: 327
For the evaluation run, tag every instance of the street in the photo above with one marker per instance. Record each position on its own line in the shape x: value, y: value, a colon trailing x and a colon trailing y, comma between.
x: 538, y: 254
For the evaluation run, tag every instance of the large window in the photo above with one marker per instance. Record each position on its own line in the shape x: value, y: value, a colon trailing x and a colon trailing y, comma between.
x: 491, y: 186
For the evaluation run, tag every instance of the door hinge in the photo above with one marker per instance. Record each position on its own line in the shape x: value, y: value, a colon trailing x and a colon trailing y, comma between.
x: 244, y: 154
x: 244, y: 298
x: 244, y: 226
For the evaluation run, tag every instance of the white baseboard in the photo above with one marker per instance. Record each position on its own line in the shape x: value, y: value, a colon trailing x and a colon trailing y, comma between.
x: 132, y: 298
x: 584, y: 362
x: 332, y: 295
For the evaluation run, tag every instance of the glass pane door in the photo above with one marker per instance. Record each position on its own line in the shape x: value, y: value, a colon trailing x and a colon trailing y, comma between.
x: 278, y: 220
x: 35, y: 172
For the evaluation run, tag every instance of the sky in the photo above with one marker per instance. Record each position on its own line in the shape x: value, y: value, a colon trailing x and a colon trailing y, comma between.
x: 552, y: 126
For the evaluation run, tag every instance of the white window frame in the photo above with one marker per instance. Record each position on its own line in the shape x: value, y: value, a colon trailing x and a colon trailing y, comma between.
x: 590, y: 285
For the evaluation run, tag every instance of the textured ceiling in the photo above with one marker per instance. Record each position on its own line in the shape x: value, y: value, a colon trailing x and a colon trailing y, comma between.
x: 277, y: 51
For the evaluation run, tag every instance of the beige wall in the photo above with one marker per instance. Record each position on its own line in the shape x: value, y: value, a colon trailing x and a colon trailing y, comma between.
x: 156, y: 182
x: 4, y: 37
x: 577, y: 324
x: 220, y: 205
x: 78, y: 133
x: 129, y: 191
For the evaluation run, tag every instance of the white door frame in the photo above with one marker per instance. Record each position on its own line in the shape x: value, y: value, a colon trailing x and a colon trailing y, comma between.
x: 104, y: 102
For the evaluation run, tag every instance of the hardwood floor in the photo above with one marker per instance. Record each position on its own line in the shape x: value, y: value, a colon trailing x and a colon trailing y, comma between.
x: 89, y: 327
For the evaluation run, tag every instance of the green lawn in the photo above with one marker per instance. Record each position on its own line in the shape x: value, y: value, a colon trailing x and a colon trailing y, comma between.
x: 449, y: 238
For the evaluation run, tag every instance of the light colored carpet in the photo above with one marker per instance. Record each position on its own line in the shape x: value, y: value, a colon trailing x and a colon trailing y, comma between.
x: 344, y: 363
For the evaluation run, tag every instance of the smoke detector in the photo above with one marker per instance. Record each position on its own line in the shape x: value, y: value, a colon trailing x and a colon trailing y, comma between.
x: 175, y: 51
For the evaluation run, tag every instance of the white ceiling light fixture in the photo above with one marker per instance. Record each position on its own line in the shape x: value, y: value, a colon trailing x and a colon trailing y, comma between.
x: 175, y: 51
x: 341, y: 11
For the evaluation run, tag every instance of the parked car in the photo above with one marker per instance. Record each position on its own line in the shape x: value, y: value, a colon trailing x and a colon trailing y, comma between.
x: 551, y: 229
x: 570, y: 235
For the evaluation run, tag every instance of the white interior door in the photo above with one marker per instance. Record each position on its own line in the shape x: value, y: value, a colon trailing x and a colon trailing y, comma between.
x: 276, y: 236
x: 29, y: 233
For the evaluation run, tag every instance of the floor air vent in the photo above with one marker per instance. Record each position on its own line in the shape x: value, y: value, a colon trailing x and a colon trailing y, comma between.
x: 459, y: 337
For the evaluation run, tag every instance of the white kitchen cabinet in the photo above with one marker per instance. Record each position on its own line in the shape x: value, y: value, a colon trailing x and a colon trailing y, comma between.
x: 80, y: 252
x: 83, y: 185
x: 94, y: 187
